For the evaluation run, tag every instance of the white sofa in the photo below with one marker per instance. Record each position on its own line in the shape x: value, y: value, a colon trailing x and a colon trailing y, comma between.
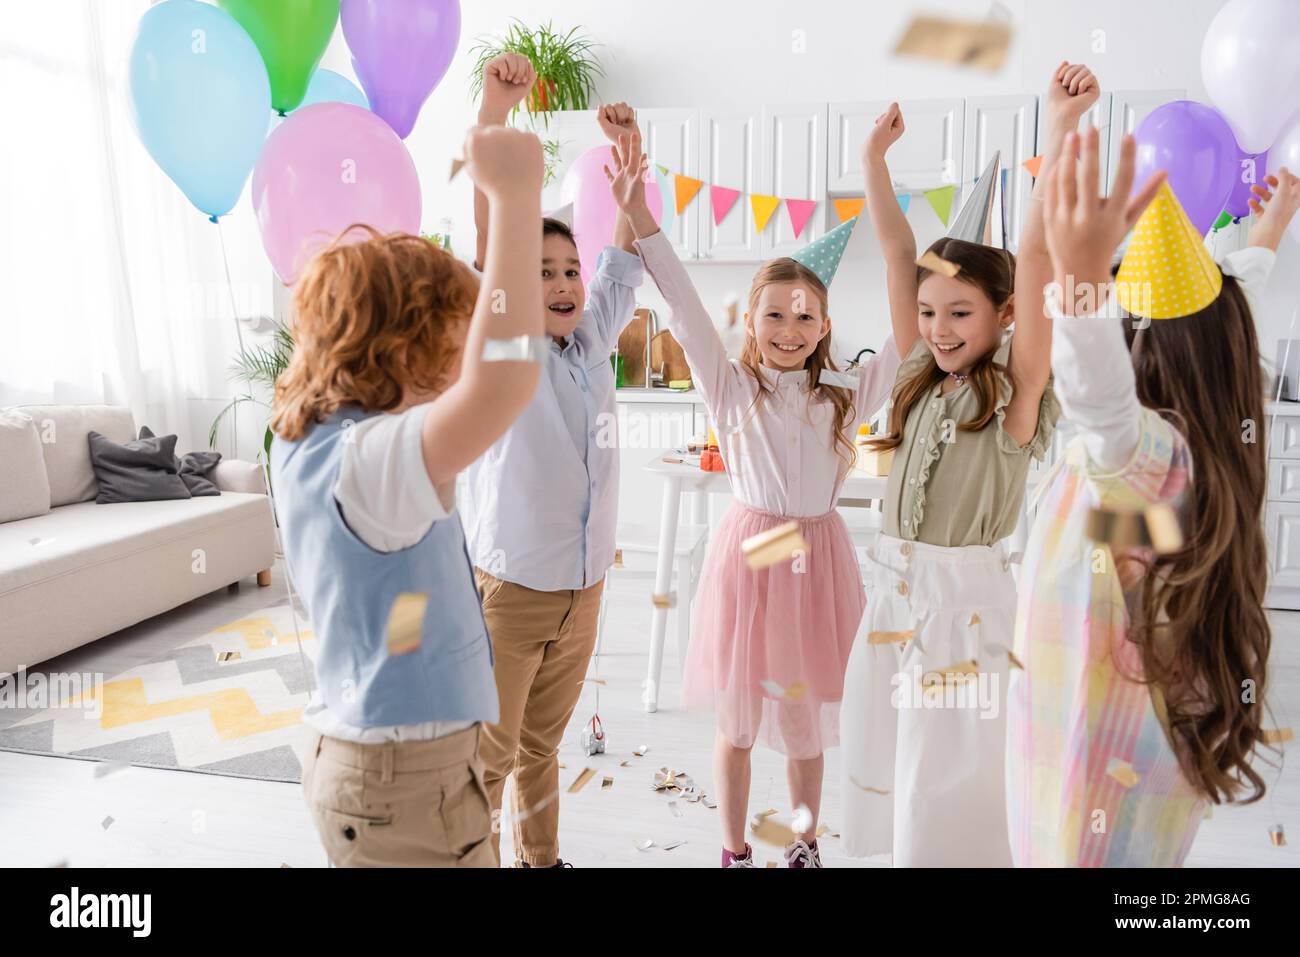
x: 72, y: 571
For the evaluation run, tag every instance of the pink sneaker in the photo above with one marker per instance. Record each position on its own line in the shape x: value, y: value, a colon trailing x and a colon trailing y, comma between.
x: 801, y: 854
x: 730, y: 859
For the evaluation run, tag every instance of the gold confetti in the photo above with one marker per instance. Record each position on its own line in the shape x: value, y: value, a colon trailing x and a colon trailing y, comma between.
x: 1276, y: 735
x: 768, y: 813
x: 405, y: 628
x: 1156, y: 528
x: 1277, y: 835
x: 664, y: 601
x: 1163, y: 528
x: 792, y: 693
x: 775, y: 545
x: 594, y: 681
x: 862, y: 787
x: 951, y: 675
x: 640, y: 751
x: 624, y: 764
x: 228, y: 656
x: 888, y: 637
x: 771, y: 864
x: 1015, y: 662
x: 772, y: 832
x: 285, y: 865
x: 618, y: 558
x: 934, y: 263
x: 974, y: 619
x: 606, y: 783
x: 581, y: 780
x: 975, y: 43
x: 456, y: 166
x: 1122, y: 772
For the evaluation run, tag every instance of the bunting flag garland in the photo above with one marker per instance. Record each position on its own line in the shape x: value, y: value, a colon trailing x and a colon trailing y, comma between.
x: 846, y: 209
x: 940, y: 201
x: 723, y: 200
x: 1033, y: 166
x: 764, y: 207
x: 800, y: 211
x: 664, y: 180
x: 685, y: 188
x: 905, y: 201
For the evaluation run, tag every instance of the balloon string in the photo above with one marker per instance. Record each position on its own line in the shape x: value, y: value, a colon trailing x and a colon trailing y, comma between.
x: 288, y: 580
x: 239, y: 334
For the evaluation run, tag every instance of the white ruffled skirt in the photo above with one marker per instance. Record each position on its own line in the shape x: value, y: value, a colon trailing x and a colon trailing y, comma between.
x: 923, y: 721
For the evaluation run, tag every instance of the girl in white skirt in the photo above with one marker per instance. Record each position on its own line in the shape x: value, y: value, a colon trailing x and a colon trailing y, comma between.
x: 923, y: 720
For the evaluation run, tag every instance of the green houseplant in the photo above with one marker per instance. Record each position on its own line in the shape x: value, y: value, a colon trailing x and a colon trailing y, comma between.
x: 258, y: 368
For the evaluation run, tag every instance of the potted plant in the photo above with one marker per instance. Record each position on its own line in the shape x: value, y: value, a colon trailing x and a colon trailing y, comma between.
x: 259, y: 366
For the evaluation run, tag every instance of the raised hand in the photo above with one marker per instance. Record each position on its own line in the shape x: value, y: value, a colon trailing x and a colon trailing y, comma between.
x: 1274, y: 207
x: 616, y: 119
x: 506, y: 81
x: 889, y: 127
x: 627, y: 183
x: 1083, y: 227
x: 1073, y: 91
x: 504, y: 163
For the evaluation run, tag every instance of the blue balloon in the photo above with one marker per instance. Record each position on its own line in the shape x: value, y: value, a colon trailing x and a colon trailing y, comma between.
x: 326, y: 86
x: 201, y: 100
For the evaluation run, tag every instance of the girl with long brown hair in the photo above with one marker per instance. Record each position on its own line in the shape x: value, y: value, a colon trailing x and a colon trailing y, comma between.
x: 769, y: 645
x: 1144, y: 681
x: 923, y: 722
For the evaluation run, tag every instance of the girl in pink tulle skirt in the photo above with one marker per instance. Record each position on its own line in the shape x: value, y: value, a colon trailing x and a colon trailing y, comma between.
x: 769, y: 647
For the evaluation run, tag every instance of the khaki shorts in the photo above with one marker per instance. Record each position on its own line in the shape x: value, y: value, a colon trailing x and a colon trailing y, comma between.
x: 400, y: 804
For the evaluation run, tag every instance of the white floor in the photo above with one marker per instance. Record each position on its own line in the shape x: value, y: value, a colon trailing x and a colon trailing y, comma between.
x: 54, y: 810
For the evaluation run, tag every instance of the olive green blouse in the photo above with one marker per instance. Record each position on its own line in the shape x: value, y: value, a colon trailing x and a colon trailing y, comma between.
x: 952, y: 488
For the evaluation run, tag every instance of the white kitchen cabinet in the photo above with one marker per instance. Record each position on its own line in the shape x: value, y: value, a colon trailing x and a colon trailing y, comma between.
x: 1282, y: 510
x: 672, y: 140
x: 792, y: 165
x: 929, y: 154
x: 729, y: 156
x: 1006, y: 125
x: 1127, y: 109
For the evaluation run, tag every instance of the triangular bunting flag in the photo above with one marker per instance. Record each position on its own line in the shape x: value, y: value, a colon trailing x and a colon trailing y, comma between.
x: 456, y: 166
x: 823, y: 255
x: 846, y: 209
x: 666, y: 203
x: 764, y: 207
x: 685, y: 188
x: 905, y: 201
x: 800, y: 210
x: 662, y: 169
x: 941, y: 201
x: 723, y: 200
x: 1033, y: 165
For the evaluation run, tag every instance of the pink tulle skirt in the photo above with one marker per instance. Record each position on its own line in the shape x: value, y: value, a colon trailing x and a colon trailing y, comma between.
x: 769, y: 648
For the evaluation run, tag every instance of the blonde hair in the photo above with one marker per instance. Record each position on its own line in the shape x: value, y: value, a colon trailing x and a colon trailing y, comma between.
x: 374, y: 321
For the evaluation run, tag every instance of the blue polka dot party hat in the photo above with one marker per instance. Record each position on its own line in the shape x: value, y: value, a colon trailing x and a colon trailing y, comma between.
x: 823, y: 255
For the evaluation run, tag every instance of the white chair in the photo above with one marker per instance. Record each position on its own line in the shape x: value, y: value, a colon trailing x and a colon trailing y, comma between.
x: 688, y: 562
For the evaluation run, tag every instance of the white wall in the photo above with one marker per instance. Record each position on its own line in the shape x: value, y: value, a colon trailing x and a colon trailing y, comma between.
x: 724, y: 53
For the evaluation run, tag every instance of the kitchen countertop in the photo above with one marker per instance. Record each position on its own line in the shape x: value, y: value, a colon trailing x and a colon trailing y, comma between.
x: 638, y: 394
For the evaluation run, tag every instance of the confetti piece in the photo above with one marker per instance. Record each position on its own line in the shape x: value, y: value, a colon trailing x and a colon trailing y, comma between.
x: 664, y: 601
x: 1163, y: 528
x: 1156, y: 528
x: 772, y: 832
x: 594, y: 681
x: 63, y: 863
x: 405, y: 628
x: 770, y: 864
x: 974, y: 619
x: 228, y: 656
x: 456, y: 166
x: 862, y: 787
x: 618, y: 558
x: 888, y: 637
x: 802, y: 820
x: 285, y: 865
x: 640, y: 752
x: 1122, y: 772
x: 585, y: 775
x: 675, y: 808
x: 645, y: 845
x: 561, y: 765
x: 974, y: 43
x: 961, y: 671
x: 1277, y: 835
x: 1015, y: 662
x: 107, y: 822
x: 824, y: 829
x: 792, y: 693
x: 106, y: 768
x: 1277, y: 735
x: 933, y: 262
x: 624, y: 764
x: 708, y: 802
x: 669, y: 847
x: 775, y: 545
x: 768, y: 813
x: 606, y: 783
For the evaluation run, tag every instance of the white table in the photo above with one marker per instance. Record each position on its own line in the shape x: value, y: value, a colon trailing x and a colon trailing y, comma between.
x: 689, y: 478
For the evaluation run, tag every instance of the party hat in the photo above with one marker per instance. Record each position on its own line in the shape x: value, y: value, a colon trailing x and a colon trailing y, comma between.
x: 1166, y: 272
x: 823, y: 255
x: 975, y: 222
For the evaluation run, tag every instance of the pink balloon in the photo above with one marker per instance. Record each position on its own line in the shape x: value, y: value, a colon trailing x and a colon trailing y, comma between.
x: 594, y: 210
x: 324, y: 168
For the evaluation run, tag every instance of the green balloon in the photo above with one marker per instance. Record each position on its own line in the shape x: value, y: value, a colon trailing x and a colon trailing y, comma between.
x: 292, y: 36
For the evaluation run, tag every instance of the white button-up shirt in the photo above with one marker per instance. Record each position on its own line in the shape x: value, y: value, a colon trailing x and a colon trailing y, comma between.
x: 542, y: 511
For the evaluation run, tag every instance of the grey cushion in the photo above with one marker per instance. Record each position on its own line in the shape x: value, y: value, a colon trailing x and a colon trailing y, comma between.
x: 194, y: 468
x: 143, y: 470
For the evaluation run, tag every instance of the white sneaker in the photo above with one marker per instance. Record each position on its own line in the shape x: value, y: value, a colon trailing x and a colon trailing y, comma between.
x: 800, y: 854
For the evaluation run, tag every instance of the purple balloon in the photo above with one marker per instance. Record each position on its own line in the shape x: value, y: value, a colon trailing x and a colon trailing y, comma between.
x: 400, y: 50
x: 1194, y: 143
x: 1250, y: 170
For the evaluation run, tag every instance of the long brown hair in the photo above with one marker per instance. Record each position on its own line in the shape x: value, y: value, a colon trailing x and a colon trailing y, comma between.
x: 1202, y: 630
x: 785, y: 269
x: 992, y: 272
x: 373, y: 321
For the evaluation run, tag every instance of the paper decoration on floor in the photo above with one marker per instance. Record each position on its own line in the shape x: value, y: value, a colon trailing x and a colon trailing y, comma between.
x: 975, y: 223
x: 763, y: 207
x: 846, y: 209
x: 936, y: 263
x: 676, y: 809
x: 456, y: 166
x: 1122, y: 772
x: 723, y: 199
x: 940, y: 200
x: 671, y: 781
x: 823, y: 255
x: 1277, y: 834
x: 775, y: 545
x: 771, y: 832
x: 405, y: 628
x: 1277, y: 735
x: 684, y: 189
x: 1156, y: 527
x: 982, y: 44
x: 580, y: 782
x: 792, y: 693
x: 107, y: 822
x: 225, y: 656
x: 800, y: 211
x: 888, y: 637
x: 645, y: 845
x: 640, y: 751
x: 1167, y: 271
x: 870, y: 790
x: 618, y: 558
x: 606, y: 783
x: 625, y: 764
x: 1033, y: 165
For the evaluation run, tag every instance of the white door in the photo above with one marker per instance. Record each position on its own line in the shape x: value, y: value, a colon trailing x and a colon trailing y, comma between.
x: 729, y: 157
x: 793, y: 166
x: 1282, y: 523
x: 672, y: 140
x: 1007, y: 125
x: 928, y: 155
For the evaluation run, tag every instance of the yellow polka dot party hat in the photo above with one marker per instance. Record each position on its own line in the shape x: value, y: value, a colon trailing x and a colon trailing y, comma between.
x: 1166, y: 272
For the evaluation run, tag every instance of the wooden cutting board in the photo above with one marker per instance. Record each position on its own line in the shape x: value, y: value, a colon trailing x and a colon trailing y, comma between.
x: 667, y: 356
x: 631, y: 346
